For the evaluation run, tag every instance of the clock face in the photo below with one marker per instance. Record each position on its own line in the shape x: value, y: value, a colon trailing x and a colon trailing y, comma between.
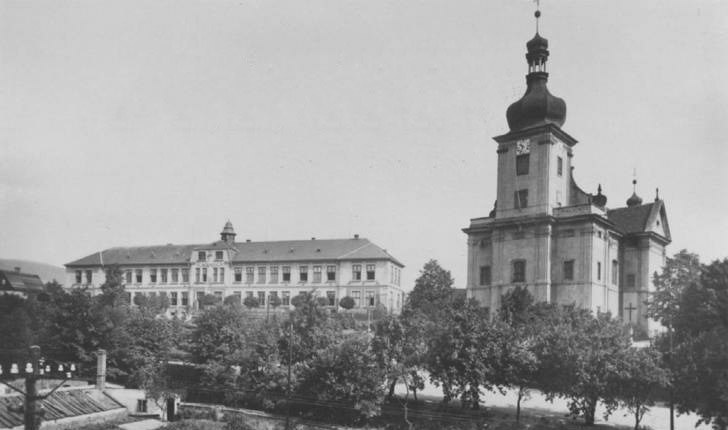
x: 523, y: 147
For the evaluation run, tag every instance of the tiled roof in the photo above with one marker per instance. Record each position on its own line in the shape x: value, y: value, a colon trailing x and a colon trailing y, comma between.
x: 637, y: 219
x: 22, y: 282
x: 289, y: 250
x: 64, y: 403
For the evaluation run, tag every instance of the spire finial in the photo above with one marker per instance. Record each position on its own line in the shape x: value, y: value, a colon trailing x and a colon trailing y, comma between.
x: 657, y: 194
x: 537, y: 14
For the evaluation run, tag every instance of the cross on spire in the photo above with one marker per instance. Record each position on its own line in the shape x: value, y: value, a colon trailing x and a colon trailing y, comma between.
x: 537, y: 14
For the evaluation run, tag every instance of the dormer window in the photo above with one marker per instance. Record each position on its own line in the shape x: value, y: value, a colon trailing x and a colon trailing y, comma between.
x: 201, y: 256
x: 218, y: 255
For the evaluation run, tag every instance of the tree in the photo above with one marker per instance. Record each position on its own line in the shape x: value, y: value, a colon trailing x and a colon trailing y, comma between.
x: 679, y: 272
x: 433, y: 288
x: 251, y: 302
x: 639, y: 379
x: 347, y: 302
x: 232, y: 300
x: 346, y: 374
x: 219, y: 333
x: 699, y: 356
x: 464, y: 352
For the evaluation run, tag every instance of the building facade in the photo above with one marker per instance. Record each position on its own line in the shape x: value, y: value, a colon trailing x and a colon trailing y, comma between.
x: 545, y: 233
x: 330, y: 268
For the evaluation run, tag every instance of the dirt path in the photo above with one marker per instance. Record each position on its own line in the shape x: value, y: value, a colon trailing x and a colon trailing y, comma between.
x: 658, y: 418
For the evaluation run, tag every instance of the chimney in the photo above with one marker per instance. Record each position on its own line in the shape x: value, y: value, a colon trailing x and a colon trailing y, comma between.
x: 313, y: 238
x: 356, y: 236
x: 17, y: 269
x: 101, y: 369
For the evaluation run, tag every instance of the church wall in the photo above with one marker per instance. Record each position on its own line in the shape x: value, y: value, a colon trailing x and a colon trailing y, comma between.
x: 480, y: 253
x: 571, y: 242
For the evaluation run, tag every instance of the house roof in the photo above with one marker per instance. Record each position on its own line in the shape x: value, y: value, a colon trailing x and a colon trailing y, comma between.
x: 21, y: 282
x: 64, y: 403
x: 640, y: 218
x: 271, y: 251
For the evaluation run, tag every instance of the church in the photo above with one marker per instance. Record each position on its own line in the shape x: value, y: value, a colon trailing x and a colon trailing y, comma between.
x: 564, y: 244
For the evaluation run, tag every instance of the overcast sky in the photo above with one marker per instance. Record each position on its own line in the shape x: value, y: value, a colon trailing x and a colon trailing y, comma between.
x: 141, y: 123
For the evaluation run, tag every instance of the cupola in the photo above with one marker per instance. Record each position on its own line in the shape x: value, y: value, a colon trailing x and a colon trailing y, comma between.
x: 227, y: 234
x: 634, y: 199
x: 537, y: 106
x: 600, y: 199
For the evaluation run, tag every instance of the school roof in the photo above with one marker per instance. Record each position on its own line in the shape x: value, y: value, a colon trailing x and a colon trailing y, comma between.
x: 242, y: 252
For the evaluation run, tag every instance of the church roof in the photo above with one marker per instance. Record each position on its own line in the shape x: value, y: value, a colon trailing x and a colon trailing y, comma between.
x: 270, y: 251
x: 21, y: 282
x: 641, y: 219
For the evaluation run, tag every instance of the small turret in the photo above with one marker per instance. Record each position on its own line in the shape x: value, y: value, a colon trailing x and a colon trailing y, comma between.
x: 634, y: 200
x: 227, y: 234
x: 600, y: 199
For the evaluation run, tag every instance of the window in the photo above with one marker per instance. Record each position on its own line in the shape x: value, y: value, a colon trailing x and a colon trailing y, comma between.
x: 303, y: 273
x: 238, y: 274
x: 484, y: 275
x: 330, y: 273
x: 79, y: 276
x: 331, y: 296
x: 519, y: 271
x: 249, y: 275
x: 599, y: 270
x: 559, y: 166
x: 286, y: 273
x: 201, y: 256
x: 370, y: 272
x: 370, y: 298
x: 317, y: 274
x: 128, y: 276
x: 356, y: 272
x: 522, y: 164
x: 89, y: 277
x: 197, y: 276
x: 175, y: 276
x: 248, y: 294
x: 238, y: 297
x: 204, y: 274
x: 153, y: 276
x: 185, y: 275
x: 520, y: 199
x: 199, y: 297
x: 356, y: 295
x: 274, y: 274
x: 163, y: 275
x: 173, y: 298
x: 138, y: 273
x: 261, y: 298
x: 218, y: 255
x: 286, y: 298
x: 185, y: 298
x: 214, y: 275
x: 631, y: 280
x: 569, y: 270
x: 261, y: 274
x: 615, y: 272
x: 222, y: 275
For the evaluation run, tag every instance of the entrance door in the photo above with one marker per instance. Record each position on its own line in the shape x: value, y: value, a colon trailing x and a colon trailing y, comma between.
x: 170, y: 409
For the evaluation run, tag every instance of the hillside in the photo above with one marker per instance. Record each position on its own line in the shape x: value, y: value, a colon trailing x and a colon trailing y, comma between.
x: 47, y: 272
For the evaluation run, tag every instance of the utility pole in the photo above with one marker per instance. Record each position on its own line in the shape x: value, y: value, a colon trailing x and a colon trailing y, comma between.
x: 290, y: 358
x: 34, y: 370
x: 32, y: 420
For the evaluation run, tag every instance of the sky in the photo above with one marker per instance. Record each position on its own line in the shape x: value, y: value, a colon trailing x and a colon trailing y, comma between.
x: 140, y: 123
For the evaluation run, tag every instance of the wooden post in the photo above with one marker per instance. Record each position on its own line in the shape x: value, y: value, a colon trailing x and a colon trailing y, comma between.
x: 31, y: 391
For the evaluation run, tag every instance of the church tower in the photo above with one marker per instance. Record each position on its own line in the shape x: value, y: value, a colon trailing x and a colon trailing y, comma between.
x: 545, y: 233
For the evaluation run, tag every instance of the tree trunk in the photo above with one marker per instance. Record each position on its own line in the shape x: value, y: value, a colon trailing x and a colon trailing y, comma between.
x: 391, y: 389
x: 590, y: 411
x: 637, y: 418
x: 518, y: 404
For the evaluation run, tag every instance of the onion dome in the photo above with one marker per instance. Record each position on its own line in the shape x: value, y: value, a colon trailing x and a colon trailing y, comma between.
x: 537, y: 106
x: 600, y: 199
x: 634, y: 200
